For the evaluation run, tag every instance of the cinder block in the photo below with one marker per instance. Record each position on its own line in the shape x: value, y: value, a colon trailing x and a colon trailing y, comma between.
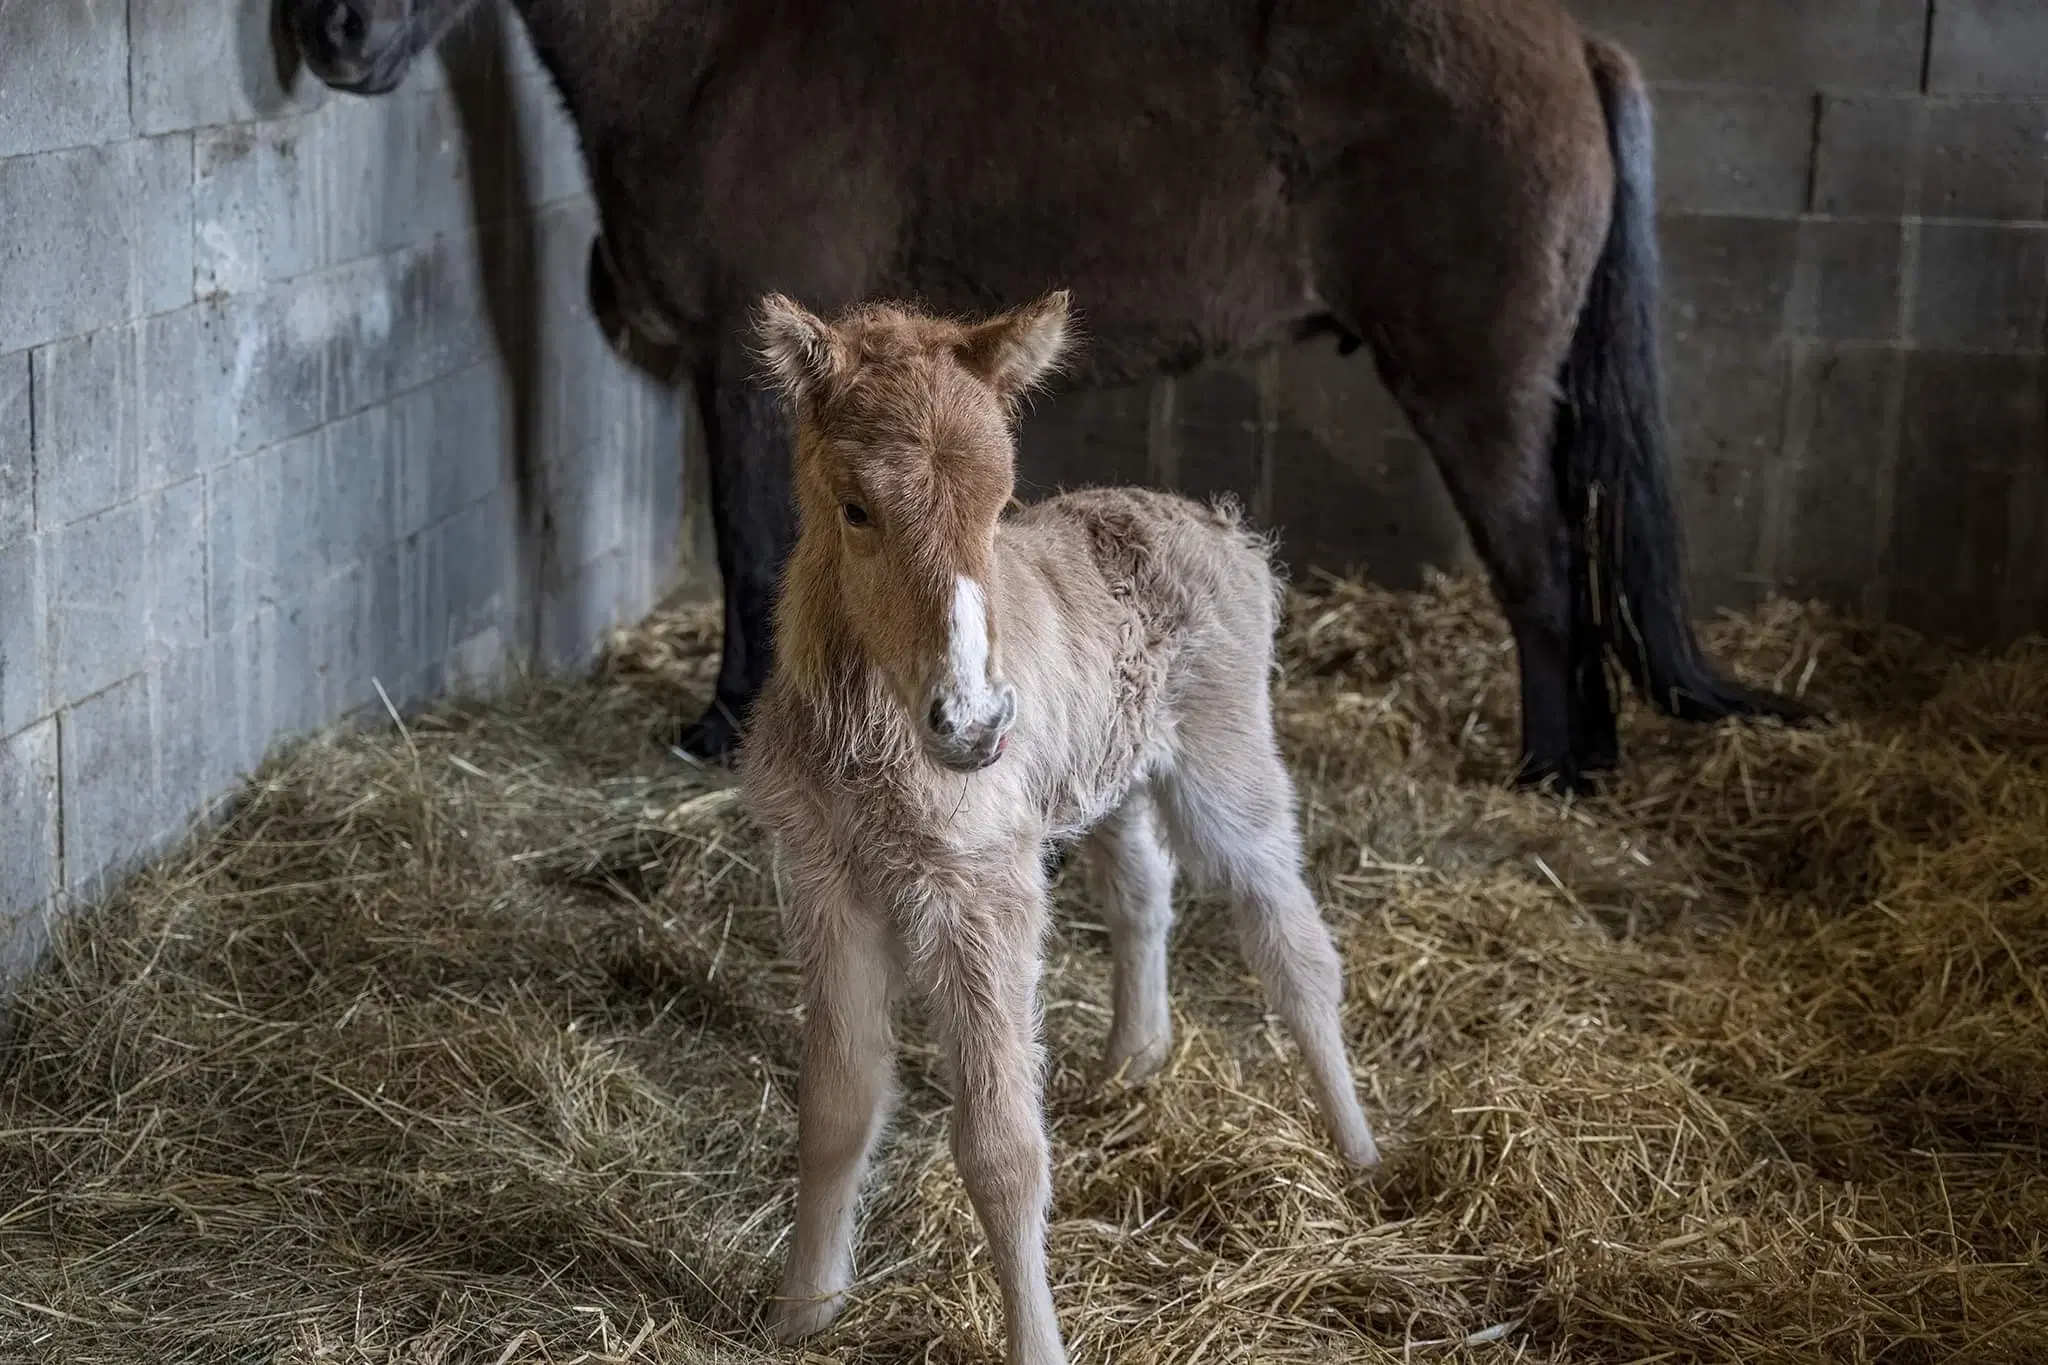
x: 1848, y: 280
x: 1837, y: 44
x: 480, y: 664
x: 201, y: 62
x: 285, y: 518
x: 1950, y: 529
x: 1726, y: 149
x: 202, y: 738
x: 111, y: 806
x: 1839, y: 414
x: 1726, y: 399
x: 1989, y: 47
x: 266, y: 357
x: 1981, y: 288
x: 119, y: 414
x: 1085, y: 438
x: 2025, y: 608
x: 360, y: 627
x: 95, y: 237
x: 469, y: 561
x: 281, y: 684
x: 1336, y: 397
x: 584, y: 494
x: 63, y: 76
x: 1971, y: 445
x: 125, y: 589
x: 143, y: 759
x: 1987, y: 158
x: 30, y: 869
x: 1863, y: 154
x: 1371, y: 503
x: 580, y: 607
x: 1722, y: 504
x: 1216, y: 432
x: 652, y: 515
x: 1727, y: 276
x: 444, y: 446
x: 256, y: 212
x: 396, y: 322
x: 1965, y: 410
x: 17, y: 457
x: 399, y: 170
x: 24, y: 658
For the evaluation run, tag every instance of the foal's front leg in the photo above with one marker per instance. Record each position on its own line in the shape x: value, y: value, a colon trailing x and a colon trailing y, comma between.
x: 845, y: 1088
x: 983, y: 997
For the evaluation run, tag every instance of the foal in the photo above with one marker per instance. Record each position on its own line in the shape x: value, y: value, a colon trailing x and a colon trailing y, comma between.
x: 953, y: 691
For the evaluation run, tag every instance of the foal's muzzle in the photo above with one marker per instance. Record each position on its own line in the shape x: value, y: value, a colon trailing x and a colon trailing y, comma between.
x: 969, y: 744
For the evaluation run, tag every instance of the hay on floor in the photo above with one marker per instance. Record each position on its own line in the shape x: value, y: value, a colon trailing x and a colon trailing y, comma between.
x: 473, y: 1043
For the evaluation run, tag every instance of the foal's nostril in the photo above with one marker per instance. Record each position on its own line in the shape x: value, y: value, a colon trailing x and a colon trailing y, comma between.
x: 937, y: 719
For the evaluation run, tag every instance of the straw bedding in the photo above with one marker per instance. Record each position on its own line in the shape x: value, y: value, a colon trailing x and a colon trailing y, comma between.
x: 472, y: 1042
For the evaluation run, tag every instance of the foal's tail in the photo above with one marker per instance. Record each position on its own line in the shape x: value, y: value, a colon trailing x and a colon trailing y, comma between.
x: 1609, y: 451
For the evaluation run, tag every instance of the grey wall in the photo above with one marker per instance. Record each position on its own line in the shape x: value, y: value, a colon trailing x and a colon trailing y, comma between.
x: 278, y: 371
x: 1856, y: 270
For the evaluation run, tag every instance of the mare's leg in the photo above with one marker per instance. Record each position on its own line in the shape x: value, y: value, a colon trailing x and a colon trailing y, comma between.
x: 980, y: 982
x: 1230, y: 812
x: 1492, y: 445
x: 1467, y: 285
x: 747, y: 442
x: 845, y: 1088
x: 1133, y: 874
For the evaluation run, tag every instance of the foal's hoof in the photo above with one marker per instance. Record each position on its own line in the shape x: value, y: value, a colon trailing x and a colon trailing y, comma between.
x: 1361, y: 1151
x: 792, y: 1318
x: 1132, y: 1062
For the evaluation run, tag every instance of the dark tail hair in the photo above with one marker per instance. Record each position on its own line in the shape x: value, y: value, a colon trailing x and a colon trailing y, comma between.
x: 1610, y: 446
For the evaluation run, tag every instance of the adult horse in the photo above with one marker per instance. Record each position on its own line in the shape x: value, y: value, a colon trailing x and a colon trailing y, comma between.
x: 1462, y: 186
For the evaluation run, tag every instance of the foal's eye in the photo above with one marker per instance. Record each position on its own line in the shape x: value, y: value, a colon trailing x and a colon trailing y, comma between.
x: 855, y: 514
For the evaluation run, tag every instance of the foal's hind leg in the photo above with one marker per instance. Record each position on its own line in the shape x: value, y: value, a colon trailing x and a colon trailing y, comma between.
x: 1230, y: 811
x: 1133, y: 874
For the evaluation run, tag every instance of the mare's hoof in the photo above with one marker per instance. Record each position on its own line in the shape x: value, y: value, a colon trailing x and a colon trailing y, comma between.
x: 712, y: 738
x: 1556, y: 779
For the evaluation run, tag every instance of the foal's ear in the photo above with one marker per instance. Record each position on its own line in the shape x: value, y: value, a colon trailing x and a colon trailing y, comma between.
x: 800, y: 350
x: 1022, y: 348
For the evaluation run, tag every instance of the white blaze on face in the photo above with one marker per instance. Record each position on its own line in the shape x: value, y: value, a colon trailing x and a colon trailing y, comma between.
x: 968, y: 696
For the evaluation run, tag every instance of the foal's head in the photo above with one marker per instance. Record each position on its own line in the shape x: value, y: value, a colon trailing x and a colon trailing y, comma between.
x: 904, y: 463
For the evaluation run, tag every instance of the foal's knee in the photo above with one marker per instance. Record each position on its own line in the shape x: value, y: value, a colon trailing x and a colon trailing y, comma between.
x: 1003, y: 1160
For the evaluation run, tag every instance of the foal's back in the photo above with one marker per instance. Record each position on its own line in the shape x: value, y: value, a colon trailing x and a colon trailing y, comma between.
x: 1155, y: 625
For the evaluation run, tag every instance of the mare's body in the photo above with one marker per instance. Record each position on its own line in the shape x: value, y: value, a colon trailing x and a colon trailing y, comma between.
x: 1461, y: 186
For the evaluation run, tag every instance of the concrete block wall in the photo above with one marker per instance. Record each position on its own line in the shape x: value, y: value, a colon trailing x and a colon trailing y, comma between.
x: 1854, y: 217
x: 299, y: 398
